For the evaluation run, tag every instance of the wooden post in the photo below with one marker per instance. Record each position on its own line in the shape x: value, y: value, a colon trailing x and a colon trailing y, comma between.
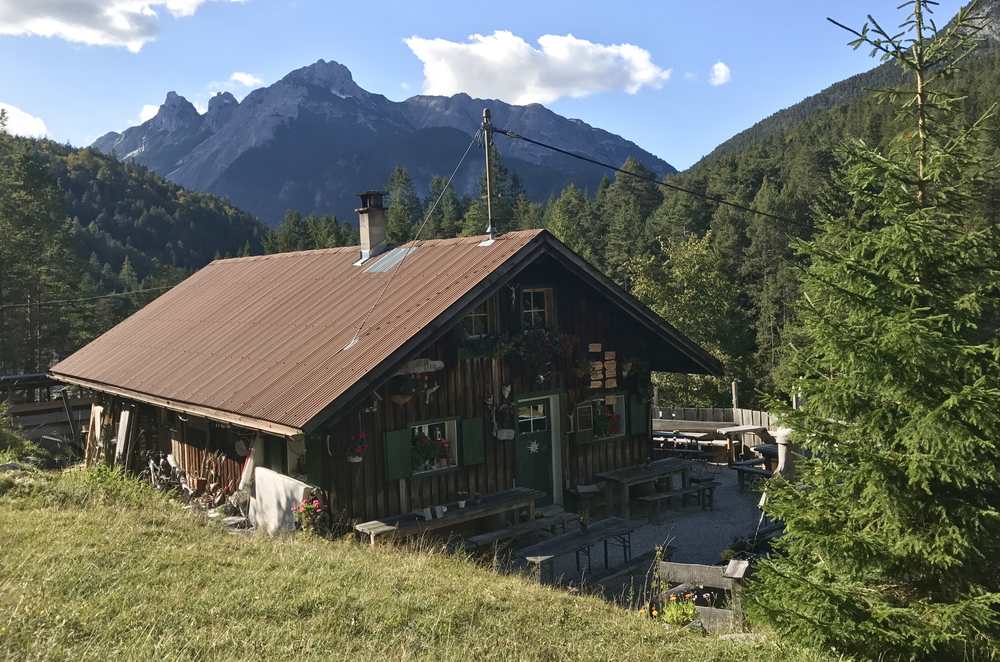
x: 736, y: 400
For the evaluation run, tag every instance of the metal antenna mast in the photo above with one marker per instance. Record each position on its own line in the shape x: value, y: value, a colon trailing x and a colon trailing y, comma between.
x: 487, y: 138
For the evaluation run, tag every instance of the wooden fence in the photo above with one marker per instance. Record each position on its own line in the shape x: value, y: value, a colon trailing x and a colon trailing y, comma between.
x: 709, y: 418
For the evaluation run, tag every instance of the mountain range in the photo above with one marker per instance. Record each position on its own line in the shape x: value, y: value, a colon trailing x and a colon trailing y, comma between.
x: 315, y: 138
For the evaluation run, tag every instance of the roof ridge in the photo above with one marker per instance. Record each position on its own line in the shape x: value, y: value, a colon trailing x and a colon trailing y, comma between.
x: 354, y: 249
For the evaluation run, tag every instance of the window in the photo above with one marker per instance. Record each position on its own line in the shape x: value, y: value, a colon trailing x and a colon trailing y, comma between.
x: 536, y: 308
x: 585, y: 416
x: 477, y: 323
x: 433, y: 445
x: 605, y: 416
x: 532, y: 417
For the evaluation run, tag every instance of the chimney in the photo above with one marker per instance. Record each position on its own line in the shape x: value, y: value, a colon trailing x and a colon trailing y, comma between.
x: 371, y: 223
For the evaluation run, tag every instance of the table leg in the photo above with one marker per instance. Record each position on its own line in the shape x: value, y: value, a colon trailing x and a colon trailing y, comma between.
x: 531, y: 511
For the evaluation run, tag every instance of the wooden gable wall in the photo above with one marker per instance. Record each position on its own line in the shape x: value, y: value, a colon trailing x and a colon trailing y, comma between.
x: 362, y: 490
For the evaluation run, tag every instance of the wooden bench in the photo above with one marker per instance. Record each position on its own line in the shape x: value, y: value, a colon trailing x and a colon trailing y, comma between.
x: 612, y: 530
x: 745, y: 474
x: 704, y: 490
x: 509, y: 501
x: 513, y: 533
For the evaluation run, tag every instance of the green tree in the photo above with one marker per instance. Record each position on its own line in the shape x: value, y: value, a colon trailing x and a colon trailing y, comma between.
x: 572, y: 219
x: 404, y: 214
x: 893, y: 520
x: 446, y: 219
x: 678, y: 287
x: 624, y: 206
x: 506, y: 190
x: 292, y: 234
x: 37, y: 264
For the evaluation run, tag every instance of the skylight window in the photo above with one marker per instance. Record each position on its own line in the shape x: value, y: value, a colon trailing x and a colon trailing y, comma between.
x: 387, y: 262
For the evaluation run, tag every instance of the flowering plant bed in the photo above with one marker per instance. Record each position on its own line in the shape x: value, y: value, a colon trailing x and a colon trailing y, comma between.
x: 311, y: 516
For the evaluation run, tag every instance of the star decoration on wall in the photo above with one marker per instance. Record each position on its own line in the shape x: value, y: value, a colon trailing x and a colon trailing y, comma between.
x: 533, y: 447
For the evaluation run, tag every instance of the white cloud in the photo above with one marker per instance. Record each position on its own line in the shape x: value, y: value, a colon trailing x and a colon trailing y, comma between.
x: 505, y: 66
x: 128, y: 23
x: 20, y: 123
x: 148, y: 111
x: 245, y: 79
x: 721, y: 74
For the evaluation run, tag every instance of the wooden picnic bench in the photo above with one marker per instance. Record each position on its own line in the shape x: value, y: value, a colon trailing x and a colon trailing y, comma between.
x: 411, y: 524
x: 613, y: 530
x: 513, y: 533
x: 642, y: 474
x: 703, y: 490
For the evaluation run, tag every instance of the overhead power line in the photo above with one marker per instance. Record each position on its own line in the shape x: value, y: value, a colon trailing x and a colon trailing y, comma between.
x: 427, y: 216
x: 654, y: 180
x: 54, y: 302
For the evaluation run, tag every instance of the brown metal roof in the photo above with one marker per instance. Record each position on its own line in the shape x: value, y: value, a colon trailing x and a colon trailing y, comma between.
x: 263, y: 341
x: 264, y: 337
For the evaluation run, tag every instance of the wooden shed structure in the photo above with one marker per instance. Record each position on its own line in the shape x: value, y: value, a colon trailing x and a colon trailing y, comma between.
x: 483, y: 364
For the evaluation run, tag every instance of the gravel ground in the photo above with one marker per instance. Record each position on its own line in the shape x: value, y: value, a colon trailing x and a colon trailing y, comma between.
x: 698, y: 536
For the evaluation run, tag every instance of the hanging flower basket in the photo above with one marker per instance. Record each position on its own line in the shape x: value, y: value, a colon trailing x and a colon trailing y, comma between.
x: 401, y: 398
x: 359, y: 446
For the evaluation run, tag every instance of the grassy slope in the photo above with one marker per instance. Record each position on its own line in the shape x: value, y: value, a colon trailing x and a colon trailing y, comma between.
x: 98, y: 568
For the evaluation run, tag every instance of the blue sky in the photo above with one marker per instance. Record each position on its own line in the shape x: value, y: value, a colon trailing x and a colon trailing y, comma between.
x: 776, y: 53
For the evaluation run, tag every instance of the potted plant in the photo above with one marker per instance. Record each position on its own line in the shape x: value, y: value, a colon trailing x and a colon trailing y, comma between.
x: 359, y: 446
x: 424, y: 453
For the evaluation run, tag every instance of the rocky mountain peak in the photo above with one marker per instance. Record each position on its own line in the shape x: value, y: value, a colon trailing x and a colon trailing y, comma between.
x: 331, y: 76
x: 221, y: 101
x: 220, y: 109
x: 175, y: 113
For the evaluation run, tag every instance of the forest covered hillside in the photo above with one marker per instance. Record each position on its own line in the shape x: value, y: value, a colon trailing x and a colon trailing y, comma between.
x: 78, y: 224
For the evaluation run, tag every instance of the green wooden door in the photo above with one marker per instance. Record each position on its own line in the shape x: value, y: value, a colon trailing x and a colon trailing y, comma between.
x: 534, y: 447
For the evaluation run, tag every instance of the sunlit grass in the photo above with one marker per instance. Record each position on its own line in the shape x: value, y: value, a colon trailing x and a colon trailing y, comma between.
x: 95, y: 566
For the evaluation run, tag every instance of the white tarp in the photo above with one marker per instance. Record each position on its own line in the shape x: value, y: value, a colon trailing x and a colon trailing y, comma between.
x: 274, y: 497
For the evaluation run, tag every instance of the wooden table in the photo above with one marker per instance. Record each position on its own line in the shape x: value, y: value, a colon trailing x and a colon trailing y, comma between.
x: 611, y: 530
x: 411, y: 524
x: 735, y: 432
x: 642, y: 474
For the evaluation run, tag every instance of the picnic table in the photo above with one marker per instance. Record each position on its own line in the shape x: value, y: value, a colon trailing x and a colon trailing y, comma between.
x: 628, y: 477
x: 411, y: 524
x: 613, y: 530
x: 735, y: 433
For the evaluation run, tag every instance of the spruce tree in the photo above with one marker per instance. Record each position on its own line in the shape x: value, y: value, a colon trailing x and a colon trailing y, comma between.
x: 892, y: 523
x: 572, y: 219
x: 404, y: 214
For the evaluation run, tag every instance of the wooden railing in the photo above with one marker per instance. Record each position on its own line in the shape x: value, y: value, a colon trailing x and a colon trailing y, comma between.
x: 704, y: 419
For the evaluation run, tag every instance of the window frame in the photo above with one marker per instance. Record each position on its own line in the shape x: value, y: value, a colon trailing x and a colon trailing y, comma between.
x: 451, y: 432
x: 592, y: 404
x: 482, y: 312
x: 547, y: 310
x: 545, y: 417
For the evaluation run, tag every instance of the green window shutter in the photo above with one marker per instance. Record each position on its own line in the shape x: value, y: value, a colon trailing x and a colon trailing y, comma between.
x: 638, y: 416
x: 584, y: 437
x: 398, y: 463
x: 472, y: 450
